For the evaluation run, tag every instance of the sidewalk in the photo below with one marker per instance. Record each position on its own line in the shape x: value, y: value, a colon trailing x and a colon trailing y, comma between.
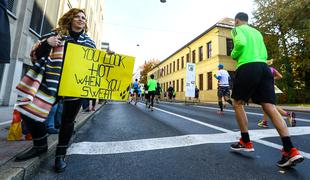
x: 9, y: 169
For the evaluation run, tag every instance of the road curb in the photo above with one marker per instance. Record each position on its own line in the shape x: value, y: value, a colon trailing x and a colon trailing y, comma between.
x: 24, y: 170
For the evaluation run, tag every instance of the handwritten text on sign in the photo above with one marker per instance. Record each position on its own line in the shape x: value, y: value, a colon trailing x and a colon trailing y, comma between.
x: 91, y: 73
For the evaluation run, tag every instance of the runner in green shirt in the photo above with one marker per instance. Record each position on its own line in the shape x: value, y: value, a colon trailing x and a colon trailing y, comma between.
x: 254, y: 80
x: 152, y: 84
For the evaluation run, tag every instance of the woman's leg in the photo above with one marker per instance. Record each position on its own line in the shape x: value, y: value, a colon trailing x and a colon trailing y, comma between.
x: 70, y: 111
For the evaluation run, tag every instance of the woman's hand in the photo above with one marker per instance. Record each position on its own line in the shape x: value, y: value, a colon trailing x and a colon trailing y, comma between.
x: 54, y: 41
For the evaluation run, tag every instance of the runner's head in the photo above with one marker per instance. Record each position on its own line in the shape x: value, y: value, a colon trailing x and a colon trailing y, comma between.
x: 241, y: 18
x: 152, y: 76
x: 220, y: 66
x: 136, y: 80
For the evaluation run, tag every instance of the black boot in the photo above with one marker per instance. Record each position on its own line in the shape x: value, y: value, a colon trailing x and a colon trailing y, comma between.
x: 60, y: 164
x: 31, y: 153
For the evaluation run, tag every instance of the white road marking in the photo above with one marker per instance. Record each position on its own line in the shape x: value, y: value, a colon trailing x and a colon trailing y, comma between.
x: 95, y: 148
x: 5, y: 122
x: 252, y: 113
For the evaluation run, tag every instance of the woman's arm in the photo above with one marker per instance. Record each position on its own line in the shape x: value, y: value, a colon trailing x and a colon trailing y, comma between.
x: 277, y: 75
x: 43, y: 47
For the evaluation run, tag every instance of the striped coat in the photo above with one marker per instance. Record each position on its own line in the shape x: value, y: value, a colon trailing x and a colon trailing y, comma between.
x: 37, y: 91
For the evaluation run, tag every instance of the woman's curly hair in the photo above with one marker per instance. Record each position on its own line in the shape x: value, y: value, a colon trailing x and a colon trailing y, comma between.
x: 64, y: 23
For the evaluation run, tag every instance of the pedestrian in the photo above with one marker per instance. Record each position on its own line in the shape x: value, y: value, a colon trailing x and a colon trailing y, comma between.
x: 165, y: 95
x: 223, y: 90
x: 147, y: 95
x: 54, y: 119
x: 291, y: 117
x: 93, y: 104
x: 158, y: 93
x: 72, y: 27
x: 136, y: 86
x: 254, y: 80
x: 5, y: 36
x: 142, y: 93
x: 170, y: 92
x: 174, y: 95
x: 85, y: 105
x: 196, y: 94
x: 152, y: 85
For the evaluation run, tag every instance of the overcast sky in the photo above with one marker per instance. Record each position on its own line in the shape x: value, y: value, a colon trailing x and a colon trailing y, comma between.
x: 162, y: 28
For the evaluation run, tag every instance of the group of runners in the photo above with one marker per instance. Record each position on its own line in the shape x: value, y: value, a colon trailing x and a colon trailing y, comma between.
x: 147, y: 93
x: 254, y: 80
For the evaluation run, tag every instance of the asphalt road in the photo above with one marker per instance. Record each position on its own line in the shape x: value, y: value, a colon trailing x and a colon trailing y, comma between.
x: 176, y: 141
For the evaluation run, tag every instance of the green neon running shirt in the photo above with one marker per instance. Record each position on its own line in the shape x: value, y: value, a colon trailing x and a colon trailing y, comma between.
x: 249, y: 45
x: 152, y: 84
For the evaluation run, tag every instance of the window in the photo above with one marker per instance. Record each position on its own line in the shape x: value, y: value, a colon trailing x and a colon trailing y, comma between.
x: 164, y: 70
x: 12, y: 6
x: 182, y: 62
x: 178, y: 66
x: 44, y: 19
x: 167, y: 69
x: 229, y: 46
x: 173, y: 66
x: 177, y: 85
x: 209, y: 50
x: 200, y: 81
x: 182, y: 84
x: 194, y: 56
x: 167, y: 86
x: 209, y: 80
x: 200, y: 53
x: 170, y: 68
x: 187, y: 57
x: 173, y: 84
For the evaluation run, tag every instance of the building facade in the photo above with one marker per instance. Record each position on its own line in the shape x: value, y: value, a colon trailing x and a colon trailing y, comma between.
x: 31, y: 19
x: 207, y: 50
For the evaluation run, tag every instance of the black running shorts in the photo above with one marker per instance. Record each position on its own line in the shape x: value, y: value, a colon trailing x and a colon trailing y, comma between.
x: 255, y: 81
x: 223, y: 91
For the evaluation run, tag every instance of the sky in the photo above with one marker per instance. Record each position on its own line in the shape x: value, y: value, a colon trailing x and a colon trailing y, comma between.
x: 149, y: 29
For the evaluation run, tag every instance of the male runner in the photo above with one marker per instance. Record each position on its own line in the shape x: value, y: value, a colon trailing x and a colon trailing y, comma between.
x: 254, y: 80
x: 223, y: 87
x: 135, y: 86
x: 152, y: 85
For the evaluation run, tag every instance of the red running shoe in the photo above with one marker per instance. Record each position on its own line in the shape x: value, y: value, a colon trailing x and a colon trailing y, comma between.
x: 241, y: 146
x: 290, y: 158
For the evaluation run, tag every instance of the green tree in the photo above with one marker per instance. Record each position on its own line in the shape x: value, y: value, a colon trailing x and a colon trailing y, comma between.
x: 286, y: 28
x: 147, y: 67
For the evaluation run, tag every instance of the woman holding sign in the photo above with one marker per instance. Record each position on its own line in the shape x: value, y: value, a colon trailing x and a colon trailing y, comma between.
x: 38, y: 88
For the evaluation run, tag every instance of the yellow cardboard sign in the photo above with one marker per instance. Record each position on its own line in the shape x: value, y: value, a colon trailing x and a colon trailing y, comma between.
x: 91, y: 73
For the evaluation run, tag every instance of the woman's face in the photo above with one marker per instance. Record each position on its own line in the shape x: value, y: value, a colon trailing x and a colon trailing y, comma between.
x: 78, y: 22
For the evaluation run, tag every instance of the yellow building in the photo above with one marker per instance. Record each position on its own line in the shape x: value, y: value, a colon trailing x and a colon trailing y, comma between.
x: 207, y: 50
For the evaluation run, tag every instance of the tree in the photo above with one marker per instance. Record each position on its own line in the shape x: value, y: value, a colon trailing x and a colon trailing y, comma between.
x: 286, y: 28
x: 147, y: 67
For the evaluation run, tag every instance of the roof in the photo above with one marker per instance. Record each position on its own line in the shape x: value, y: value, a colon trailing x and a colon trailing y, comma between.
x: 223, y: 23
